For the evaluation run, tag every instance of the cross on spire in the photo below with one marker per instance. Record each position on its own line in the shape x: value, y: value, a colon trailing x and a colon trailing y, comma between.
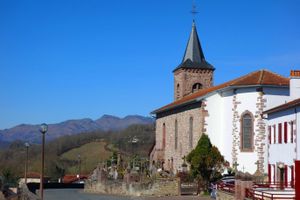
x: 194, y: 9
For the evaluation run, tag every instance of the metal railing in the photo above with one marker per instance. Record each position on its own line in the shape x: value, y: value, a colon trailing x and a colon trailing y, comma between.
x: 271, y: 190
x: 226, y: 187
x: 270, y: 195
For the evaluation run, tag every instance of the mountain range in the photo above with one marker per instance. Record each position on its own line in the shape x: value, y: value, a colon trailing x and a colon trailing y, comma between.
x: 30, y: 133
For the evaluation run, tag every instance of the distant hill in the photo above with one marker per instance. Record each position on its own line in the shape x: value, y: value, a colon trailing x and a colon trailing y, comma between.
x: 30, y: 133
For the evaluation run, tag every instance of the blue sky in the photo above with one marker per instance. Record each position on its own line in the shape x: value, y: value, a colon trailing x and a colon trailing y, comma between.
x: 74, y: 59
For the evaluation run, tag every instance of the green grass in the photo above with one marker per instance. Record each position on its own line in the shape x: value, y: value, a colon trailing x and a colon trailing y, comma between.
x: 91, y: 154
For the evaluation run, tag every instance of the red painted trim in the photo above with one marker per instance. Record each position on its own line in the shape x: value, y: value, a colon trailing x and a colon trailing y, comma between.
x: 292, y: 176
x: 274, y: 173
x: 297, y: 178
x: 274, y: 127
x: 285, y: 175
x: 285, y: 132
x: 292, y: 132
x: 269, y: 172
x: 279, y: 133
x: 270, y: 135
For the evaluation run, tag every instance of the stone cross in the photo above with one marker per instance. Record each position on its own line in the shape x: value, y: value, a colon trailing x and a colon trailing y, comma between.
x: 235, y: 165
x: 243, y: 169
x: 184, y: 159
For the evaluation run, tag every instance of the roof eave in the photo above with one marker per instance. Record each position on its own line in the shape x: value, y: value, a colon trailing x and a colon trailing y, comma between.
x: 174, y: 106
x: 213, y: 92
x: 281, y: 108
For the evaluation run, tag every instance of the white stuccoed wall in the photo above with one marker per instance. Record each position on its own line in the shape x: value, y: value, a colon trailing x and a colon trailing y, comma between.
x: 220, y: 120
x: 276, y: 96
x: 284, y: 152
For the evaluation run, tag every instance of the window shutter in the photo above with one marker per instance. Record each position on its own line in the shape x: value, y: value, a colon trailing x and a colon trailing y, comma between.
x: 270, y: 136
x: 292, y: 176
x: 274, y: 127
x: 286, y: 175
x: 285, y: 132
x: 292, y: 132
x: 269, y: 172
x: 279, y: 133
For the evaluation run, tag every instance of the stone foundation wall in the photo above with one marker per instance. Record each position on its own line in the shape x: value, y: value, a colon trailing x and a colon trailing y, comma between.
x: 160, y: 187
x: 25, y: 194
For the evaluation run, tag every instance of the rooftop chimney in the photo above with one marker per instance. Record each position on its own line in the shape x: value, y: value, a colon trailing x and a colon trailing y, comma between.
x: 295, y: 84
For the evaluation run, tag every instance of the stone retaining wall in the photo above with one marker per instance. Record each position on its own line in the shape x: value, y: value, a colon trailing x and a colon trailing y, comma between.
x: 159, y: 187
x: 25, y: 194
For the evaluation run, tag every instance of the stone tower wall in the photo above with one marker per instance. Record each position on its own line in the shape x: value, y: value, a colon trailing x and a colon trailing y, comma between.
x: 186, y: 78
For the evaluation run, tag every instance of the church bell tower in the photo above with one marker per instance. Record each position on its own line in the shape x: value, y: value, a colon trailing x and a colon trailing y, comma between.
x: 194, y: 73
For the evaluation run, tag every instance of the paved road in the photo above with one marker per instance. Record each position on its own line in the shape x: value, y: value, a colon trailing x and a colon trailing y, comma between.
x: 77, y: 194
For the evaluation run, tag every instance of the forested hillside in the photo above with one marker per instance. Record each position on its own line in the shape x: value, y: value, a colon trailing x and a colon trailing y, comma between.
x: 61, y: 153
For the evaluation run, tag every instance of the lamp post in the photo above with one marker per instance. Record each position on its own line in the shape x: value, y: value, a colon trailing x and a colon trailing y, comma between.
x: 43, y: 130
x: 133, y: 140
x: 26, y: 162
x: 281, y: 168
x: 79, y: 167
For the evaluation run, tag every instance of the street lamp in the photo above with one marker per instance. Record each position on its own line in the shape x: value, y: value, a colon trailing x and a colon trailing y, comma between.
x: 26, y: 162
x: 43, y: 130
x: 281, y: 168
x: 79, y: 167
x: 133, y: 140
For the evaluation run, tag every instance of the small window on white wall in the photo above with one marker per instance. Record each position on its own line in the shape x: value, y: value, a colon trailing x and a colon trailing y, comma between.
x: 246, y: 134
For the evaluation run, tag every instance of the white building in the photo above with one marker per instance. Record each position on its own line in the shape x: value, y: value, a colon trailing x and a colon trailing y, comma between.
x: 229, y: 113
x: 283, y: 134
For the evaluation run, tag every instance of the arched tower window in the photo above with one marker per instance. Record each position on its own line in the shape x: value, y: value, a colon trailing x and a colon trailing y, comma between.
x: 177, y: 91
x: 247, y: 134
x: 191, y: 133
x: 176, y: 134
x: 196, y: 87
x: 164, y: 136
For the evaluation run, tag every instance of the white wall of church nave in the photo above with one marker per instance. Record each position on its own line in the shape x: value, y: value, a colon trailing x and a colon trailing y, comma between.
x: 217, y: 106
x: 220, y: 123
x: 183, y: 134
x: 248, y: 102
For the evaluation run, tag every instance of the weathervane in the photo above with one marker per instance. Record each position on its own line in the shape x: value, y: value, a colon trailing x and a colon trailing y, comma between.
x: 194, y: 9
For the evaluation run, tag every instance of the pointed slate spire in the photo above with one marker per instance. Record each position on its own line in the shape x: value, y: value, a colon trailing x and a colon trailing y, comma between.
x: 194, y: 56
x: 193, y: 49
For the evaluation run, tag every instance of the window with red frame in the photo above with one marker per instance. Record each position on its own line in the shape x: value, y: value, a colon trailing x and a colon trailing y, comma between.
x: 292, y: 132
x: 285, y: 132
x: 274, y: 127
x: 279, y: 133
x: 270, y: 134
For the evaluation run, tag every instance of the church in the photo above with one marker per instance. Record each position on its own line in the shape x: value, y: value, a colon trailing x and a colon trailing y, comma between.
x: 229, y: 113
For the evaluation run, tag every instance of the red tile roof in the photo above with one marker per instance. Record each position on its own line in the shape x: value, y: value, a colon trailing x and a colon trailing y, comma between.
x: 285, y: 106
x: 261, y: 77
x: 73, y: 178
x: 33, y: 175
